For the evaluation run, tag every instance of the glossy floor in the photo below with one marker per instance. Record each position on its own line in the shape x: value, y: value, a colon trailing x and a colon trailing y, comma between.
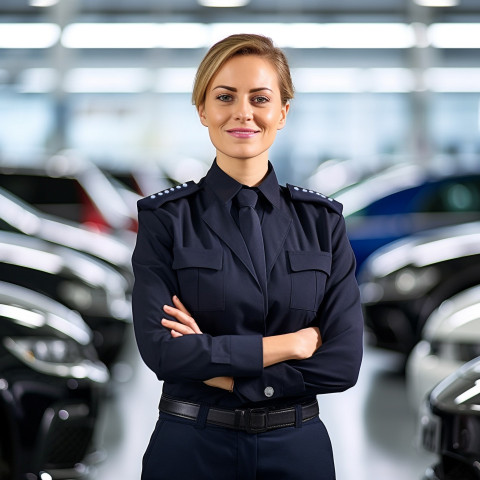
x: 371, y: 426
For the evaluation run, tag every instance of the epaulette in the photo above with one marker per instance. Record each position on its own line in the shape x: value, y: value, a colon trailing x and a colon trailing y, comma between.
x: 157, y: 199
x: 306, y: 195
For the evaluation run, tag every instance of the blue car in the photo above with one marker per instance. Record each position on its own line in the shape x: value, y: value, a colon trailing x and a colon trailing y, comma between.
x: 404, y: 200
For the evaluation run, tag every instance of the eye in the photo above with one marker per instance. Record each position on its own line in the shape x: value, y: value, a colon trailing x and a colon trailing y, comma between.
x: 224, y: 97
x: 260, y: 99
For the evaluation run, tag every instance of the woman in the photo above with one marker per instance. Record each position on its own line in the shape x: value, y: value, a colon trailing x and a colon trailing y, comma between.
x: 245, y: 312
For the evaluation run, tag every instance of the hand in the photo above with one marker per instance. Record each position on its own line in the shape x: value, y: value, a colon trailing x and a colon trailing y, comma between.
x: 184, y: 324
x: 225, y: 383
x: 307, y: 341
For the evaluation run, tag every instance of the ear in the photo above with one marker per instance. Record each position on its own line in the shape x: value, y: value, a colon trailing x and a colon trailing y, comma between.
x: 283, y: 116
x: 202, y: 115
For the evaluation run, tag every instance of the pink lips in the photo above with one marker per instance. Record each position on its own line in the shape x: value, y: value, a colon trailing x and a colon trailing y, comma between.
x: 242, y: 132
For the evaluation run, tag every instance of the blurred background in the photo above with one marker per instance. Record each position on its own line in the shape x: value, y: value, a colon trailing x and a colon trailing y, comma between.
x: 95, y: 112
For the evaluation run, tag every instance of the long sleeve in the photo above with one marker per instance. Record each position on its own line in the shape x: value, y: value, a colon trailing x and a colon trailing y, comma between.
x: 336, y: 364
x: 191, y: 357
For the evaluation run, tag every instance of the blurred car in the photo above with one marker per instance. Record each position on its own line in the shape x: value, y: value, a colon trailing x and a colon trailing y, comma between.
x: 79, y: 193
x: 144, y: 180
x: 450, y: 425
x: 51, y: 383
x: 450, y: 338
x: 76, y: 280
x: 333, y: 175
x: 403, y: 200
x: 402, y: 283
x: 18, y: 216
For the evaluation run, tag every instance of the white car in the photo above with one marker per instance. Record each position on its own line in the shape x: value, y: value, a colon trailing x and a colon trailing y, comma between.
x: 450, y: 338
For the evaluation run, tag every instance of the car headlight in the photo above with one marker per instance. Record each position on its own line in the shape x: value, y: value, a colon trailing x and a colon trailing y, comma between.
x: 58, y: 357
x: 460, y: 392
x: 415, y: 281
x: 407, y: 282
x: 95, y: 301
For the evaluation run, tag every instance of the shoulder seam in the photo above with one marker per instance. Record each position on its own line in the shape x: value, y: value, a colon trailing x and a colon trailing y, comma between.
x: 308, y: 195
x: 154, y: 201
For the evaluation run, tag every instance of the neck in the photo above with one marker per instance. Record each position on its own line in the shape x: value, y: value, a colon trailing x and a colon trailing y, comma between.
x: 248, y: 172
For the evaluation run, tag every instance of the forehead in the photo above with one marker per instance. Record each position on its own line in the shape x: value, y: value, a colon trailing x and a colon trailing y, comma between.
x: 251, y: 70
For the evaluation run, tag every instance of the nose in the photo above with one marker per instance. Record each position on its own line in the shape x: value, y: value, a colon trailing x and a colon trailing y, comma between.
x: 244, y: 111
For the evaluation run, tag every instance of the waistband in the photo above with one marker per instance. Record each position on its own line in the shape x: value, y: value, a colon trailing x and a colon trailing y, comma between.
x: 250, y: 420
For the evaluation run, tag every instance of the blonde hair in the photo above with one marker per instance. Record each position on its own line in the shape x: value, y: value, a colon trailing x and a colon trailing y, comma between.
x: 241, y: 44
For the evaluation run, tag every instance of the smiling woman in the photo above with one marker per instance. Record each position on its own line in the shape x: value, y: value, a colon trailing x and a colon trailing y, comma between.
x: 245, y: 301
x: 243, y: 111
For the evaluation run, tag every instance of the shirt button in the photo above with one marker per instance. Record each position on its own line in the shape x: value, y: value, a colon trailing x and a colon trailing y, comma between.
x: 269, y: 391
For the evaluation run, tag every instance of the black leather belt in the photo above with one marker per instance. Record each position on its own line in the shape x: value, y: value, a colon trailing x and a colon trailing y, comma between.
x: 251, y: 420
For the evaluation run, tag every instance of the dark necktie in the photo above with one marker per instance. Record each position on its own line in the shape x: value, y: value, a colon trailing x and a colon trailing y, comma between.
x: 251, y: 229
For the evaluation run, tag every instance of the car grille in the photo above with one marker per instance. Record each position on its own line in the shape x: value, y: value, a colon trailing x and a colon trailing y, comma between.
x: 68, y: 437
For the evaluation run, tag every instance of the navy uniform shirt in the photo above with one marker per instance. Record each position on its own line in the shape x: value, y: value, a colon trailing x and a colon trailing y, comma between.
x: 189, y: 244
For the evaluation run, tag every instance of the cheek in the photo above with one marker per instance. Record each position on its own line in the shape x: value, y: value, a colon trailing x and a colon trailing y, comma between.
x: 270, y: 120
x: 217, y: 119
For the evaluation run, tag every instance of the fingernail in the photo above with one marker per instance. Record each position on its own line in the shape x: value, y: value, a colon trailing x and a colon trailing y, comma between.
x: 166, y: 307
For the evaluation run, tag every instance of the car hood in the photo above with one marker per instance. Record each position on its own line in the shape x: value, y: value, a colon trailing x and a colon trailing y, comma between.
x: 30, y: 221
x: 425, y: 248
x: 457, y: 319
x: 30, y: 312
x: 34, y: 253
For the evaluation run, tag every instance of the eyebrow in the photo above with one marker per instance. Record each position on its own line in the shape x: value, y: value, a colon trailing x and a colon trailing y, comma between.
x: 233, y: 89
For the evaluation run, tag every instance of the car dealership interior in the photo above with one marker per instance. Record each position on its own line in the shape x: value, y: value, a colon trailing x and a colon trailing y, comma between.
x: 96, y: 113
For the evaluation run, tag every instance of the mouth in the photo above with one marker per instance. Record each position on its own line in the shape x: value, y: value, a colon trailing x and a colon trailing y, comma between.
x: 242, y: 132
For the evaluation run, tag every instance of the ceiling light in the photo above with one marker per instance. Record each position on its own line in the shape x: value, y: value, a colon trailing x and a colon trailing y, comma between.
x: 107, y: 80
x: 369, y: 35
x: 28, y: 35
x: 175, y: 80
x: 380, y: 80
x: 42, y: 3
x: 311, y: 80
x: 182, y: 35
x: 110, y: 35
x: 278, y: 32
x: 453, y: 79
x: 223, y: 3
x: 454, y: 35
x: 437, y: 3
x: 135, y: 35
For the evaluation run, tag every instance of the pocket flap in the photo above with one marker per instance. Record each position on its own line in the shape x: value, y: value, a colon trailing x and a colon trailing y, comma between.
x: 300, y: 261
x: 197, y: 257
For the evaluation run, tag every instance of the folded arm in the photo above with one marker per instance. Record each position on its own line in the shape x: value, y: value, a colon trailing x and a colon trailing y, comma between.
x: 276, y: 349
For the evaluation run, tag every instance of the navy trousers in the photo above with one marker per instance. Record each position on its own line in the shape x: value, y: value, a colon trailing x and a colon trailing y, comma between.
x: 181, y: 449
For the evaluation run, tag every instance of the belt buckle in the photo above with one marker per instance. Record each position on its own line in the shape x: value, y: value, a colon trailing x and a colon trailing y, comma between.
x: 253, y: 415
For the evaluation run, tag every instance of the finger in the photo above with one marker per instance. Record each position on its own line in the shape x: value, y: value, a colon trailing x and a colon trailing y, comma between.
x: 178, y: 327
x: 182, y: 318
x: 180, y: 305
x: 175, y: 334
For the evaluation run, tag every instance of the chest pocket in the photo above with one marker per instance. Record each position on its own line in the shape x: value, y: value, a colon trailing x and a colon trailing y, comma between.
x: 201, y: 278
x: 309, y: 272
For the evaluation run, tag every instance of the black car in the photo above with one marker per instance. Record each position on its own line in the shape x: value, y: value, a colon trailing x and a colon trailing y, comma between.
x: 18, y: 216
x: 401, y: 284
x: 404, y: 200
x: 450, y: 425
x: 74, y: 279
x: 51, y: 386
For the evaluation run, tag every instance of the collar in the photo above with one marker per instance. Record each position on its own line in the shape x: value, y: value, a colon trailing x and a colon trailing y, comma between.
x: 226, y: 187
